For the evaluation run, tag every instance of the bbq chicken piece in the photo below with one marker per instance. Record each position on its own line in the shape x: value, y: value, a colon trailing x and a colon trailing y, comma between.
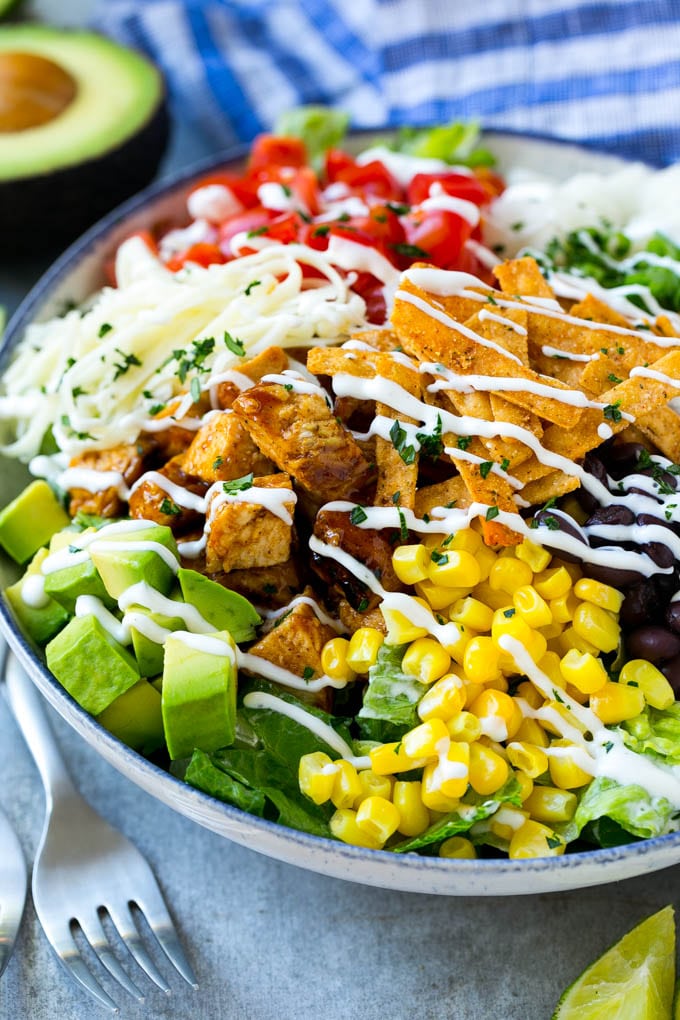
x: 222, y: 449
x: 251, y: 527
x: 126, y: 459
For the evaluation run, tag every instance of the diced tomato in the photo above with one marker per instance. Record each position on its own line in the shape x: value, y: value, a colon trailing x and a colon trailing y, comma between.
x: 336, y: 162
x: 459, y: 185
x: 201, y: 254
x: 438, y: 234
x: 286, y: 228
x: 277, y: 151
x: 371, y: 290
x: 305, y: 185
x: 242, y: 188
x: 371, y: 179
x: 253, y: 219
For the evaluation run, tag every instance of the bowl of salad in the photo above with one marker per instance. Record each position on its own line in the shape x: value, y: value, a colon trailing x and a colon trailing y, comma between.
x: 341, y: 507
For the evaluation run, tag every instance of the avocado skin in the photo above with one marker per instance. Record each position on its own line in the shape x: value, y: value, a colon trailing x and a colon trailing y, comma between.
x: 46, y: 211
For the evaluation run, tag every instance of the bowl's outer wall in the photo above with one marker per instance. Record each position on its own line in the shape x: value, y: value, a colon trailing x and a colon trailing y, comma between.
x: 75, y: 276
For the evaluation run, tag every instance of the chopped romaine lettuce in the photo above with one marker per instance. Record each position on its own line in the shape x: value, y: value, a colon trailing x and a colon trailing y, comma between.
x: 204, y: 774
x: 629, y: 806
x: 319, y: 127
x: 390, y: 700
x: 655, y: 732
x: 454, y: 143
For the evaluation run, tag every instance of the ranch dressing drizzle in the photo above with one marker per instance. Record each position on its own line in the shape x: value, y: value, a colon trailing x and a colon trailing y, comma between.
x: 263, y: 667
x: 292, y: 380
x: 179, y: 495
x: 559, y: 352
x: 142, y: 594
x: 261, y: 699
x: 33, y: 592
x: 166, y: 555
x: 90, y: 605
x: 274, y: 500
x: 486, y: 316
x: 204, y: 643
x: 93, y: 481
x: 306, y: 600
x: 77, y: 552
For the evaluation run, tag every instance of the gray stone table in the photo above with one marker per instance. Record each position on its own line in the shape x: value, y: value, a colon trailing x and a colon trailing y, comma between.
x: 272, y: 941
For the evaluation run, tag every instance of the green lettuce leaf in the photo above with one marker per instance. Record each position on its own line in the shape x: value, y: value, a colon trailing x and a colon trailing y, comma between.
x: 656, y: 733
x: 454, y: 143
x: 204, y: 774
x: 319, y: 127
x: 391, y: 698
x: 629, y: 806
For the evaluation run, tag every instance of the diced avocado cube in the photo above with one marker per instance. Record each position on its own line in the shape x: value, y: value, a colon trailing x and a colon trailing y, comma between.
x: 224, y: 609
x: 93, y: 667
x: 121, y: 562
x: 67, y: 584
x: 135, y: 718
x: 30, y: 520
x: 40, y: 618
x: 199, y: 692
x: 148, y: 651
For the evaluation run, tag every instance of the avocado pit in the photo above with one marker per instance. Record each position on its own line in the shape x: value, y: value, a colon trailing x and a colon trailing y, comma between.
x: 33, y: 91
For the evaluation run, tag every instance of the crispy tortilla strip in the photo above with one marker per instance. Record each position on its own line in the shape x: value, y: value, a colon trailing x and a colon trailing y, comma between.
x: 271, y: 361
x: 601, y: 375
x: 458, y: 306
x: 506, y: 327
x: 664, y: 327
x: 523, y: 277
x: 573, y: 338
x: 505, y: 446
x: 433, y: 336
x: 662, y: 427
x: 450, y: 493
x: 493, y: 490
x: 550, y: 487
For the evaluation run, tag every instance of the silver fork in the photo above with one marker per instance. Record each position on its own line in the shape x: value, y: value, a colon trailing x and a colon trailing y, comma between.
x: 86, y: 870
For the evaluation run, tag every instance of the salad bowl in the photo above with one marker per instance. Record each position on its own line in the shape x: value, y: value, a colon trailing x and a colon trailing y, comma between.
x: 76, y: 275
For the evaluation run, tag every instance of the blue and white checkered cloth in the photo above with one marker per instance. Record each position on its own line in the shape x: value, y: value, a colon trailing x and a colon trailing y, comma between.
x: 604, y: 72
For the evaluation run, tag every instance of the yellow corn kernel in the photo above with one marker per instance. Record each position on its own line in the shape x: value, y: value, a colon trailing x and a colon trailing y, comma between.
x: 472, y: 691
x: 533, y: 609
x: 489, y: 596
x: 454, y: 569
x: 563, y: 607
x: 578, y: 696
x: 651, y: 681
x: 426, y: 660
x: 535, y: 840
x: 614, y: 703
x: 432, y: 796
x: 456, y: 648
x: 410, y: 563
x: 485, y: 560
x: 316, y: 776
x: 550, y: 804
x: 553, y: 583
x: 444, y: 699
x: 499, y: 714
x: 465, y: 727
x: 422, y: 741
x: 343, y: 825
x: 564, y: 771
x: 364, y: 645
x: 528, y: 692
x: 550, y: 665
x: 528, y: 758
x: 334, y: 660
x: 551, y: 631
x: 573, y: 569
x: 373, y: 785
x: 583, y: 671
x: 526, y: 785
x: 386, y: 759
x: 458, y: 848
x: 569, y: 638
x: 467, y: 540
x: 532, y: 732
x: 437, y: 596
x: 481, y: 660
x: 507, y: 820
x: 414, y: 817
x: 599, y: 594
x: 400, y: 630
x: 507, y: 621
x: 346, y: 785
x: 378, y: 817
x: 448, y: 776
x: 498, y: 683
x: 597, y: 626
x: 472, y: 613
x: 535, y: 556
x: 488, y: 771
x: 508, y: 574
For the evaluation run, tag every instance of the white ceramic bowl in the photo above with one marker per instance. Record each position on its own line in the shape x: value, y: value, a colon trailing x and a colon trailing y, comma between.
x: 72, y: 278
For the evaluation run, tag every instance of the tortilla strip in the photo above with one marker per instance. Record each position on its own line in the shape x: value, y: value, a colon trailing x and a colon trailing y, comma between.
x: 452, y: 492
x: 523, y: 277
x: 549, y: 487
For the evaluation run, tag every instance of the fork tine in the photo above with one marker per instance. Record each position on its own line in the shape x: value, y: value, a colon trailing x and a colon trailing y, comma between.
x: 76, y: 967
x: 153, y: 909
x: 124, y: 924
x: 93, y: 931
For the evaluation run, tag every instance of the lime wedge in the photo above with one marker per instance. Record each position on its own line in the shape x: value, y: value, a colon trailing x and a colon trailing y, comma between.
x: 634, y: 980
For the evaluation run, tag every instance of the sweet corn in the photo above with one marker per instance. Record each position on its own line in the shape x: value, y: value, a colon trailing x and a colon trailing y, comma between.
x: 364, y: 646
x: 597, y: 626
x: 432, y: 796
x: 531, y: 732
x: 533, y: 609
x: 507, y: 621
x: 373, y: 785
x: 498, y: 683
x: 550, y: 804
x: 481, y: 660
x: 583, y: 671
x: 378, y: 817
x: 550, y: 665
x: 573, y: 569
x: 535, y: 840
x: 507, y: 820
x: 414, y: 817
x: 614, y: 703
x: 455, y: 568
x: 346, y: 785
x: 599, y: 594
x: 485, y: 560
x: 410, y: 563
x: 656, y: 689
x: 444, y: 699
x: 334, y: 660
x: 563, y: 607
x: 386, y: 759
x: 458, y: 847
x: 551, y: 631
x: 316, y: 776
x: 456, y: 648
x: 488, y: 771
x: 472, y: 613
x: 498, y: 713
x: 343, y: 825
x: 578, y: 696
x: 447, y: 776
x: 564, y: 771
x: 535, y: 556
x: 426, y: 660
x: 437, y: 596
x: 465, y: 727
x: 528, y: 692
x: 553, y: 583
x: 508, y: 574
x: 494, y: 599
x: 526, y: 785
x: 569, y: 638
x: 467, y: 540
x: 422, y: 741
x: 528, y: 758
x: 472, y: 691
x: 400, y: 630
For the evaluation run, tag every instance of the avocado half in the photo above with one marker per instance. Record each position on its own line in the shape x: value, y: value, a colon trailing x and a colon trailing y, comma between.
x: 83, y: 125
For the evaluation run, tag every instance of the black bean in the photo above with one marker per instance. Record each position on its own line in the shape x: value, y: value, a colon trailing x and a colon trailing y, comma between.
x: 622, y: 458
x: 617, y: 577
x: 653, y: 643
x: 611, y: 515
x: 660, y: 553
x: 547, y: 521
x: 642, y: 605
x: 671, y: 670
x: 673, y: 617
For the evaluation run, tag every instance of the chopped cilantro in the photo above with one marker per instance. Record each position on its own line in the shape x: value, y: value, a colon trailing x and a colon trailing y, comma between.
x: 553, y: 842
x: 508, y: 613
x: 358, y: 515
x: 307, y: 673
x: 251, y: 286
x: 517, y: 225
x: 492, y: 512
x: 463, y: 442
x: 258, y: 231
x: 238, y: 484
x: 398, y: 436
x: 396, y: 496
x: 491, y: 299
x: 485, y: 468
x: 612, y: 412
x: 78, y: 391
x: 168, y: 507
x: 431, y: 444
x: 321, y: 231
x: 105, y: 328
x: 608, y: 746
x: 614, y: 379
x: 193, y: 358
x: 505, y: 464
x: 235, y: 346
x: 195, y: 389
x: 363, y: 606
x: 398, y: 209
x: 217, y: 463
x: 410, y: 251
x: 403, y: 527
x: 438, y: 557
x: 121, y: 367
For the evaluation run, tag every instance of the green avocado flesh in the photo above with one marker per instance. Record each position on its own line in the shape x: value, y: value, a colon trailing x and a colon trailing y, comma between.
x: 93, y: 667
x: 135, y: 718
x: 30, y: 520
x: 120, y: 568
x: 67, y: 584
x: 149, y: 653
x: 224, y: 609
x: 39, y: 622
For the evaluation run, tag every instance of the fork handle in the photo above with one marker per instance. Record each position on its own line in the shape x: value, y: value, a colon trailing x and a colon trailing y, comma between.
x: 28, y: 710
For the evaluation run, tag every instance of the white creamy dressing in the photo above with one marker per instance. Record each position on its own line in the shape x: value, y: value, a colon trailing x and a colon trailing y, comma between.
x: 485, y: 315
x: 439, y: 199
x: 206, y: 644
x: 213, y: 202
x: 305, y: 600
x: 404, y: 167
x: 33, y: 591
x: 280, y: 198
x: 560, y: 352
